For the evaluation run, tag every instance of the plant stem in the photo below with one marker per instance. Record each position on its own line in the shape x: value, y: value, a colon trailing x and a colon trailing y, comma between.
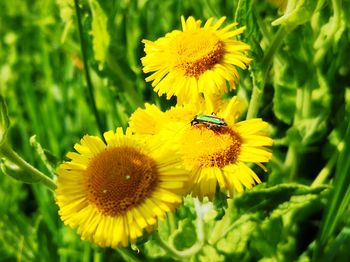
x: 291, y: 161
x: 86, y: 70
x: 180, y: 255
x: 221, y: 226
x: 200, y: 229
x: 127, y: 255
x: 237, y: 9
x: 302, y: 111
x: 259, y: 84
x: 97, y: 256
x: 324, y: 173
x: 229, y: 227
x: 254, y: 102
x: 12, y: 156
x: 171, y: 221
x: 41, y: 154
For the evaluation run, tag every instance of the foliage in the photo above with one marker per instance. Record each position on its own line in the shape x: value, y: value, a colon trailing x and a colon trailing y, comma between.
x: 300, y: 76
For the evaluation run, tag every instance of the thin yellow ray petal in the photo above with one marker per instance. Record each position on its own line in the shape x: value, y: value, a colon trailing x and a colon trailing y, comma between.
x: 165, y: 207
x: 250, y: 172
x: 94, y: 143
x: 228, y: 27
x: 133, y: 227
x: 231, y: 174
x: 220, y: 178
x: 183, y: 23
x: 254, y: 154
x: 99, y: 235
x: 171, y: 184
x: 251, y: 126
x: 219, y: 23
x: 233, y: 46
x: 117, y: 231
x: 261, y: 166
x: 110, y: 138
x: 125, y: 237
x: 139, y: 218
x: 77, y: 158
x: 233, y: 33
x: 256, y: 140
x: 147, y: 214
x: 155, y: 209
x: 83, y: 150
x: 73, y: 166
x: 208, y: 22
x: 166, y: 195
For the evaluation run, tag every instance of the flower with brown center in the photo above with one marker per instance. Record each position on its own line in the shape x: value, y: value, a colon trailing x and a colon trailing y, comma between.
x: 213, y: 154
x: 218, y: 155
x: 195, y: 61
x: 112, y: 192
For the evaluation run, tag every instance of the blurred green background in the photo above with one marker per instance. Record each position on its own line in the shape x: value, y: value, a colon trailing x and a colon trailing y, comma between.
x: 300, y: 72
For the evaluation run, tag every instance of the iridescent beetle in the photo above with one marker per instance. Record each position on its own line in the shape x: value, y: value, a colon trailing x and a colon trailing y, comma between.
x: 209, y: 120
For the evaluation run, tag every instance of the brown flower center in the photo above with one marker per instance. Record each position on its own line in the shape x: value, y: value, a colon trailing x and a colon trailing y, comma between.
x: 119, y: 179
x: 210, y: 147
x: 231, y: 153
x: 197, y: 51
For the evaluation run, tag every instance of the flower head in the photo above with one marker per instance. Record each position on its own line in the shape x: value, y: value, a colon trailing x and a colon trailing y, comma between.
x: 113, y: 191
x: 195, y: 61
x: 216, y: 154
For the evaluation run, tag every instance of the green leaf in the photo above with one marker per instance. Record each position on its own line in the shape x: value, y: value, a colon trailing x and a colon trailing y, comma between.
x: 307, y: 131
x: 4, y: 120
x: 267, y: 221
x: 285, y: 91
x: 209, y: 253
x: 297, y: 12
x: 153, y: 250
x: 18, y: 240
x: 12, y: 170
x: 245, y: 16
x: 267, y: 199
x: 330, y: 33
x: 220, y: 203
x: 99, y: 32
x: 45, y: 239
x: 299, y: 207
x: 66, y: 9
x: 186, y: 210
x: 339, y: 250
x: 341, y: 195
x: 267, y: 236
x: 237, y: 240
x: 185, y: 236
x: 276, y: 237
x: 66, y: 13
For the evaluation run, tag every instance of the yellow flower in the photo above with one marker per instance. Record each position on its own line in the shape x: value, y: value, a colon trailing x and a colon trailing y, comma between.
x: 195, y: 61
x: 216, y: 155
x: 151, y: 120
x: 113, y: 191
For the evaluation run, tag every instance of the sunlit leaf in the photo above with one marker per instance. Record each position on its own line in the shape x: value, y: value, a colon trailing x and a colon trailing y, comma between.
x: 4, y: 120
x: 297, y: 12
x: 99, y: 32
x: 15, y: 172
x: 185, y: 236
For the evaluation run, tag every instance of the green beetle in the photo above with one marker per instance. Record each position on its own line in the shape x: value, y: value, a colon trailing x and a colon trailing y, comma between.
x: 209, y: 120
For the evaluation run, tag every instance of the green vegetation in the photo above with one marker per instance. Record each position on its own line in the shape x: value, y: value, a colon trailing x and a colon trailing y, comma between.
x: 67, y: 70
